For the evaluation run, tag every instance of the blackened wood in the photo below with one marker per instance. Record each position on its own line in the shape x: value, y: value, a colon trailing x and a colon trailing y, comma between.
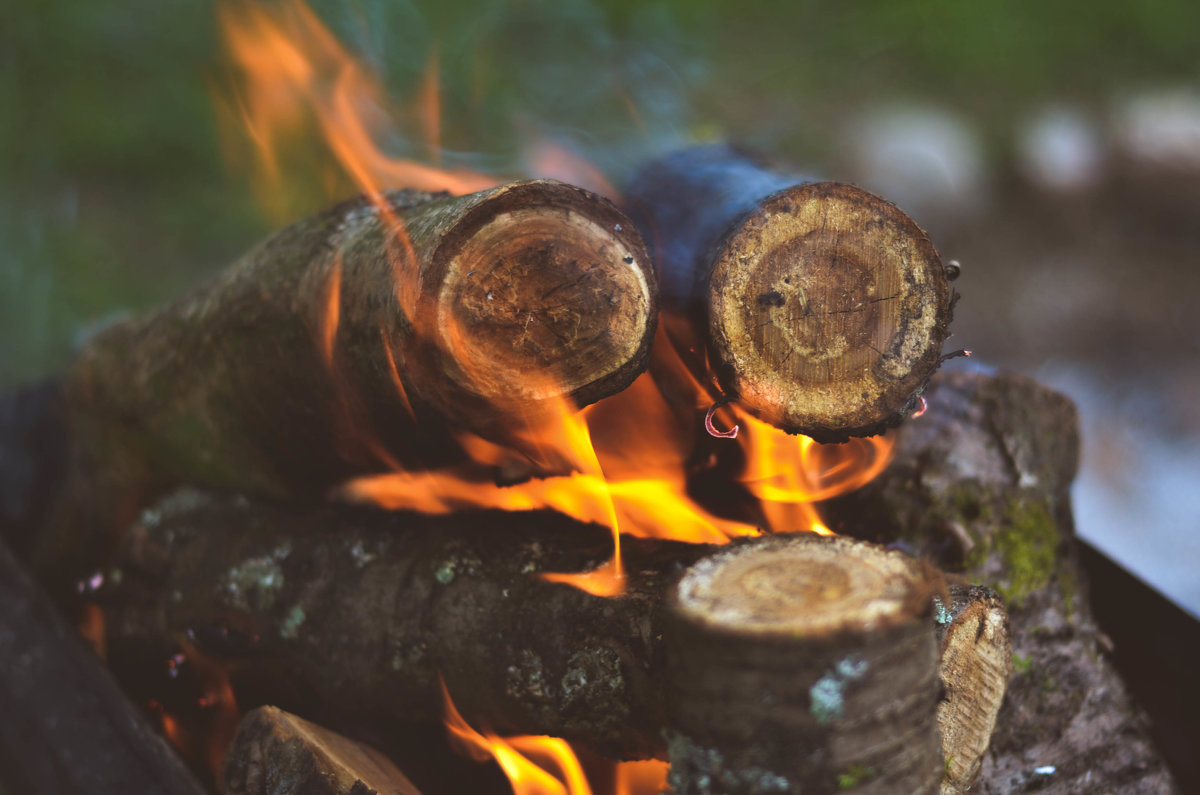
x: 980, y: 485
x: 823, y: 307
x: 65, y: 726
x: 33, y: 453
x: 348, y: 616
x: 275, y: 752
x: 355, y: 341
x: 803, y: 664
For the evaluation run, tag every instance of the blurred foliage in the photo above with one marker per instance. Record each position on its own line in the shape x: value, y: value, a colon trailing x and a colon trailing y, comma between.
x: 115, y: 194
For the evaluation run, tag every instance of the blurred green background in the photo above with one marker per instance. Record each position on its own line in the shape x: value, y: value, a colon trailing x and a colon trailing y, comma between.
x: 114, y: 194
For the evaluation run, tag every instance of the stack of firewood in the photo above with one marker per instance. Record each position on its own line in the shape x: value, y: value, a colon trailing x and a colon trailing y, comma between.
x: 402, y: 332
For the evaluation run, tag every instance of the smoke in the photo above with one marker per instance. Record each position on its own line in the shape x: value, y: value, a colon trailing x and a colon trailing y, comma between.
x: 612, y: 86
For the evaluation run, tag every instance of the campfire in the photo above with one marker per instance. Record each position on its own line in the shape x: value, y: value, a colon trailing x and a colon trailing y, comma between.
x: 655, y: 489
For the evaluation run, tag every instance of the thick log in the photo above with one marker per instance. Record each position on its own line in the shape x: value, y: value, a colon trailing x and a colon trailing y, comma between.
x: 980, y: 485
x: 349, y: 616
x: 65, y: 726
x: 275, y: 752
x: 359, y: 340
x: 803, y: 664
x: 823, y: 307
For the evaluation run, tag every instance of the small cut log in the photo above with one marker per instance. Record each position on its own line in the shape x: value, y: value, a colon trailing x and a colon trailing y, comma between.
x: 275, y: 752
x: 823, y: 307
x: 803, y: 664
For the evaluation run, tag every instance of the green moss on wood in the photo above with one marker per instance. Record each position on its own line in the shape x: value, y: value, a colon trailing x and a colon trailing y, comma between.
x: 857, y: 774
x: 1025, y: 538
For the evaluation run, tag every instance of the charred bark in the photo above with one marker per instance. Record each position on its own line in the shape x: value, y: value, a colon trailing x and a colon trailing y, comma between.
x: 823, y: 307
x: 350, y: 616
x: 979, y: 485
x: 65, y: 726
x: 356, y: 341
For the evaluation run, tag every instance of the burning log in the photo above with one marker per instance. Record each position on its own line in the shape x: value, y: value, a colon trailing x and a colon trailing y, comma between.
x: 360, y: 340
x: 823, y: 307
x: 277, y: 752
x: 65, y: 726
x: 355, y: 613
x: 979, y: 485
x: 802, y: 667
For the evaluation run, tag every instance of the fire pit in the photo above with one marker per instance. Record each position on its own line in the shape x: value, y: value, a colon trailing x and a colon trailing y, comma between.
x: 492, y: 472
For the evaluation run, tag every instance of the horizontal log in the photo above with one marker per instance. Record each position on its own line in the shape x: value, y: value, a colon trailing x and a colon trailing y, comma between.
x: 357, y: 341
x: 823, y: 307
x: 355, y: 613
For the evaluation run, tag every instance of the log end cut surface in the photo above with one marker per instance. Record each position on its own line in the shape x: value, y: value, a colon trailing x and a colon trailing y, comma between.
x: 275, y: 752
x: 828, y: 310
x: 546, y: 292
x: 803, y: 664
x: 803, y: 585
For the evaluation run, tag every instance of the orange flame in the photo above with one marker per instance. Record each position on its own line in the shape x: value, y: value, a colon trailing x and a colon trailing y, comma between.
x: 528, y: 761
x: 294, y: 78
x: 641, y: 778
x: 516, y: 755
x: 626, y: 463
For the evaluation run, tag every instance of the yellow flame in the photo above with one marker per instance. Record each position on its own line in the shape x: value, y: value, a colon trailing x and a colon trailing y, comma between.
x: 297, y: 84
x: 623, y: 462
x: 513, y: 754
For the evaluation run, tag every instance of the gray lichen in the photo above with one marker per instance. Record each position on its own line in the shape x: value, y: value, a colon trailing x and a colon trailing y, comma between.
x: 941, y: 613
x: 827, y: 697
x: 255, y: 583
x: 360, y: 555
x: 697, y: 770
x: 290, y: 627
x: 445, y: 572
x: 527, y: 678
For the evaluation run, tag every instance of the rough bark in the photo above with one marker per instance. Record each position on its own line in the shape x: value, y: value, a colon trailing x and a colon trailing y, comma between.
x: 979, y: 485
x: 65, y: 726
x: 823, y: 307
x: 803, y: 664
x: 275, y: 752
x: 349, y: 616
x: 358, y: 340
